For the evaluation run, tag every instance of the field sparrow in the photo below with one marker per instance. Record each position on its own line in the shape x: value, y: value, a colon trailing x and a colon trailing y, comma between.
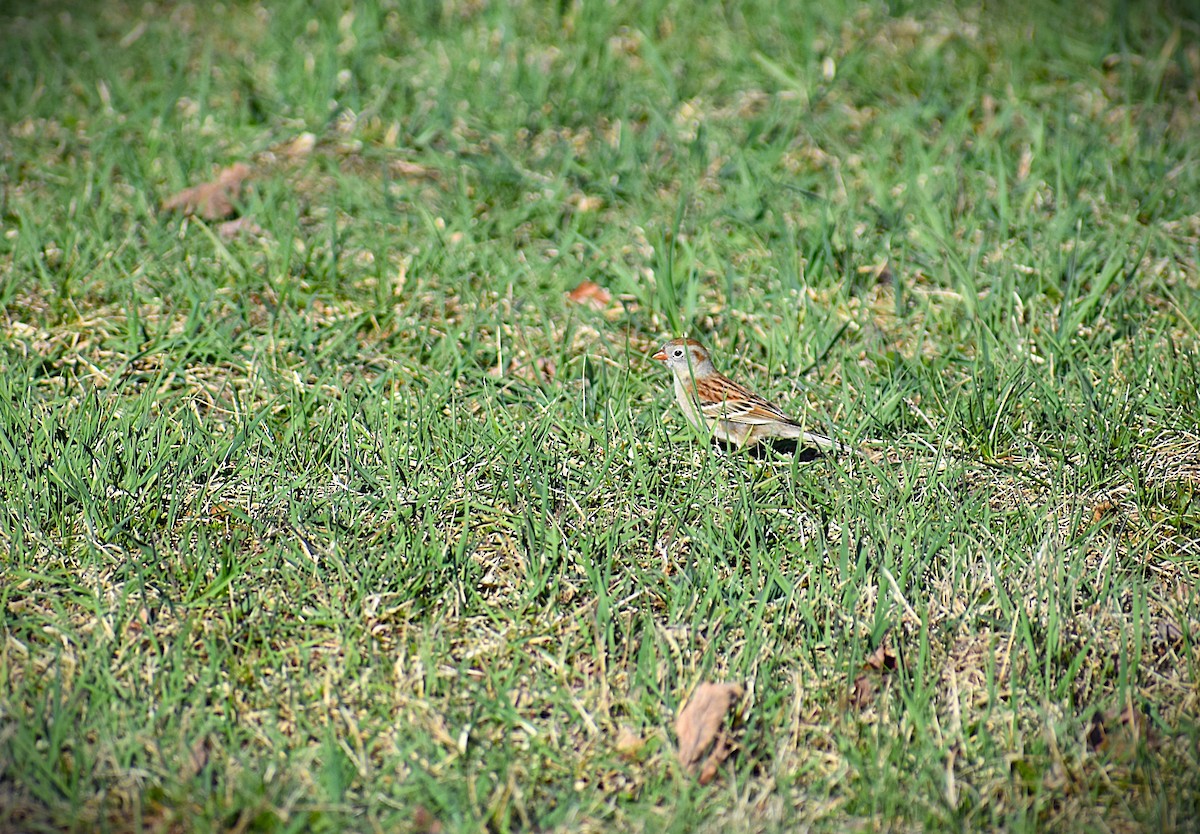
x: 710, y: 400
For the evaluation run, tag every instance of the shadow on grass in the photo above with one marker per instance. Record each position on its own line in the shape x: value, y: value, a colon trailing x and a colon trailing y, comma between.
x: 769, y: 448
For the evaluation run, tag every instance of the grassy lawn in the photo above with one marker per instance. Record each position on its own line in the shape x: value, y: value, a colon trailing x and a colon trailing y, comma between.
x: 351, y: 518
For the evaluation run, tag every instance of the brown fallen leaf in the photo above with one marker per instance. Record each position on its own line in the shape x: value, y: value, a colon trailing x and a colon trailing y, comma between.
x: 1121, y: 735
x: 424, y: 822
x: 591, y: 294
x: 882, y: 659
x: 1103, y: 510
x: 629, y: 744
x: 138, y: 624
x: 239, y: 226
x: 863, y: 691
x: 878, y: 663
x: 211, y: 200
x: 700, y: 727
x: 720, y: 752
x: 1097, y: 734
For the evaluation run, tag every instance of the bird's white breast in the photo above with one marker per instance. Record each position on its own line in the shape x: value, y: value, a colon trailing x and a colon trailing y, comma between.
x: 686, y: 402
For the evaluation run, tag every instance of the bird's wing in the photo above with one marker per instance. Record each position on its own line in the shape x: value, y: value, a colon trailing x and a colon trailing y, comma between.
x: 724, y: 399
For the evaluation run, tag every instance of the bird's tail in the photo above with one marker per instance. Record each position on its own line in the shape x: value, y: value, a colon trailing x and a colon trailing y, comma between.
x: 807, y: 438
x: 822, y: 442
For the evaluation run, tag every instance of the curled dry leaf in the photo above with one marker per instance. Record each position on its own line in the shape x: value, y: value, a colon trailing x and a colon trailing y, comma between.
x: 1103, y: 510
x: 865, y: 687
x: 720, y: 752
x: 139, y: 622
x: 703, y: 743
x: 863, y: 691
x: 1097, y: 733
x: 882, y: 659
x: 211, y: 200
x: 591, y: 294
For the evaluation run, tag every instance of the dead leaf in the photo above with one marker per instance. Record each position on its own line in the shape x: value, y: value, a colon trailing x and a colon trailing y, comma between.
x: 424, y: 822
x: 591, y: 294
x: 138, y: 624
x: 629, y: 743
x: 1102, y: 510
x: 1097, y: 734
x: 703, y: 743
x: 211, y: 200
x: 720, y: 752
x: 1122, y: 735
x: 865, y: 687
x: 863, y: 691
x: 239, y: 226
x: 882, y: 659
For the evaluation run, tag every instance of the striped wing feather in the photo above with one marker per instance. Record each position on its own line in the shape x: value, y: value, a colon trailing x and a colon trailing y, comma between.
x: 738, y: 405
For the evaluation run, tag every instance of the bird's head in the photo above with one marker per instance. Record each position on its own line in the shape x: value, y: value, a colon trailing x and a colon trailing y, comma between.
x: 685, y: 355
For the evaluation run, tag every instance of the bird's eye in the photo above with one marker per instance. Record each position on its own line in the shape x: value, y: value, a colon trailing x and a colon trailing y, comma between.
x: 678, y: 352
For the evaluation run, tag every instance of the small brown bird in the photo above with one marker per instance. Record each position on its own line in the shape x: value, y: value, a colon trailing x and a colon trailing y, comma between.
x: 712, y: 401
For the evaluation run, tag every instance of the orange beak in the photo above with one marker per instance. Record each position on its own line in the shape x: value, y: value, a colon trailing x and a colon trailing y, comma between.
x: 661, y: 356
